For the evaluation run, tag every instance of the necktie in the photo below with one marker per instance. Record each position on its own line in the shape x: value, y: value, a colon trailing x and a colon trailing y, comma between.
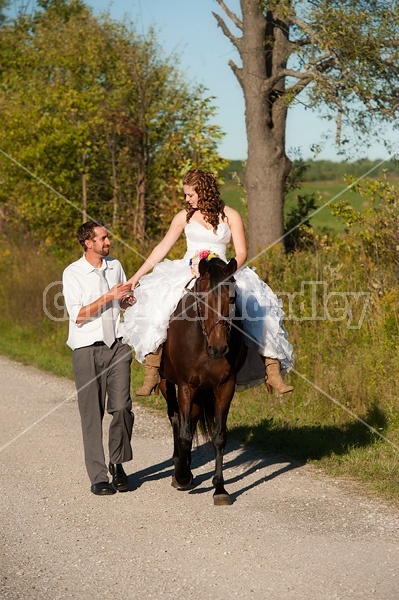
x: 107, y: 315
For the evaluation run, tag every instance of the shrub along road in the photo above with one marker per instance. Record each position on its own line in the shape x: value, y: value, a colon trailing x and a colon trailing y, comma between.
x: 291, y: 533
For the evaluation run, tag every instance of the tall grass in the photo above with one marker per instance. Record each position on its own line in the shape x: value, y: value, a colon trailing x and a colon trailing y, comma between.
x: 344, y: 412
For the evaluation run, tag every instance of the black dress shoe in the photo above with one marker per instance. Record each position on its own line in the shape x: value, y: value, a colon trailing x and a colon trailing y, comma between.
x: 102, y: 489
x: 119, y: 477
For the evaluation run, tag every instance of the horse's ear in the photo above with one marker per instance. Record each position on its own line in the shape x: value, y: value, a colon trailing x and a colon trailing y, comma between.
x: 203, y: 266
x: 231, y: 266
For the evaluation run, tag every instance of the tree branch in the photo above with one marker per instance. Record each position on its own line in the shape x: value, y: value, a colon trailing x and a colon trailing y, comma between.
x: 230, y: 14
x: 338, y: 121
x: 237, y: 71
x: 234, y: 40
x: 303, y: 77
x: 288, y: 73
x: 320, y: 60
x: 301, y: 43
x: 308, y: 29
x: 297, y: 88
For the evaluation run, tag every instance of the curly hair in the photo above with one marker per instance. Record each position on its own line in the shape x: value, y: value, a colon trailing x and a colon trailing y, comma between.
x: 210, y: 204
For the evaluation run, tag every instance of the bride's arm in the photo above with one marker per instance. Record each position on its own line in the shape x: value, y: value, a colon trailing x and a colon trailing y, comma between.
x: 238, y: 235
x: 160, y: 251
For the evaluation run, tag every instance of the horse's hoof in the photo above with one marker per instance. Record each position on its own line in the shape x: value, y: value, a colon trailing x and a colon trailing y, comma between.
x: 222, y: 500
x: 181, y: 486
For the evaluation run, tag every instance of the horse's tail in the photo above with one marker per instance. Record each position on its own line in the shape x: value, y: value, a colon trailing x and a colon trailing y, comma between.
x: 207, y: 413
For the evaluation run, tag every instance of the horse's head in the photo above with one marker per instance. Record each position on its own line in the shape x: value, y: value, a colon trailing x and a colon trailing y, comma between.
x: 215, y: 302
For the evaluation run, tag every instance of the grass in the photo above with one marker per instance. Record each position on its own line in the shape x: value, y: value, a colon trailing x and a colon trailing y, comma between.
x: 233, y: 196
x: 27, y: 345
x: 327, y: 193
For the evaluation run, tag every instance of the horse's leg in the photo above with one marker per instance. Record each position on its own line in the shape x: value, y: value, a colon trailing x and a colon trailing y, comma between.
x: 168, y: 390
x: 223, y: 397
x: 183, y: 476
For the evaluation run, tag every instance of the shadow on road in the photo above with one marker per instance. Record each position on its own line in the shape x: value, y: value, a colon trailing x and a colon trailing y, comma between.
x: 245, y: 461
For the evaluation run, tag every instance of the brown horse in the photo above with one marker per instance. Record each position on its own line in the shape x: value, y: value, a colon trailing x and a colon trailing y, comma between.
x: 202, y: 355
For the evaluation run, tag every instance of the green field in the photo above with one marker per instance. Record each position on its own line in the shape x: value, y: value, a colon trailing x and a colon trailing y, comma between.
x: 327, y: 192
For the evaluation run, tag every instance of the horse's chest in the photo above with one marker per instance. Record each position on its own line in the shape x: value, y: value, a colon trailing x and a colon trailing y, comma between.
x: 210, y: 374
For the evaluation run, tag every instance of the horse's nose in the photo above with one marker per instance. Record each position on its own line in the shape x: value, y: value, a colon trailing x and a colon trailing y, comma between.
x: 218, y: 352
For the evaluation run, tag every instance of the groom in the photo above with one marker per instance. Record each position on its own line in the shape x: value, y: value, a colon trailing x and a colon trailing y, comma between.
x: 95, y: 289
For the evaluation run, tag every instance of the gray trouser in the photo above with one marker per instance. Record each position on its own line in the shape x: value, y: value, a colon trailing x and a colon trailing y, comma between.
x: 98, y: 371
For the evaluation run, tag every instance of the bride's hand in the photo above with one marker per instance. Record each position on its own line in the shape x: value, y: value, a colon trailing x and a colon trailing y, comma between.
x: 133, y: 282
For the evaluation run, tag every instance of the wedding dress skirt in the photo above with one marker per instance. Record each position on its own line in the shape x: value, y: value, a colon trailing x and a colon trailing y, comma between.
x: 145, y: 324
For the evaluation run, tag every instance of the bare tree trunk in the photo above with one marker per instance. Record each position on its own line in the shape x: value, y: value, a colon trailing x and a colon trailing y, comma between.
x: 141, y: 188
x: 265, y: 183
x: 115, y: 199
x: 264, y: 52
x: 263, y: 48
x: 84, y: 192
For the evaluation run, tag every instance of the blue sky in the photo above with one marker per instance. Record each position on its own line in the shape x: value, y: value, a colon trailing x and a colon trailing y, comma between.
x: 188, y: 28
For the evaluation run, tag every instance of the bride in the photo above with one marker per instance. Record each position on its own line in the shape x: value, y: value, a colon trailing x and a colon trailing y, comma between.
x: 209, y: 226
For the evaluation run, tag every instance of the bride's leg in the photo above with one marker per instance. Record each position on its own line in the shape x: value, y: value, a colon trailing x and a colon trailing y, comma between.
x: 151, y: 377
x: 273, y: 377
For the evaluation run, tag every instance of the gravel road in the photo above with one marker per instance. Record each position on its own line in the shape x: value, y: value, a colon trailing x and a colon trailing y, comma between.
x: 290, y: 533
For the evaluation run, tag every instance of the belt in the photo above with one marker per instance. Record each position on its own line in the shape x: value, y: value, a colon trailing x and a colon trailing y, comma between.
x: 103, y: 343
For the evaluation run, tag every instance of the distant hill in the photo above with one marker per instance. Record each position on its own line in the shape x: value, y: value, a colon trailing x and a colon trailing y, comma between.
x: 328, y: 170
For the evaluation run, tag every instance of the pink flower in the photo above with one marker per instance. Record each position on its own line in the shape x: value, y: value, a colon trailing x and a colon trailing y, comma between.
x: 199, y: 255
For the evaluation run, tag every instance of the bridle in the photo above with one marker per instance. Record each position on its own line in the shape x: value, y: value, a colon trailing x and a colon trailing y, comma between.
x: 225, y: 321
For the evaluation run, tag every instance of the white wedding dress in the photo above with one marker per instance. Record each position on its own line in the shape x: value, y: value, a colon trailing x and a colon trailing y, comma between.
x: 145, y: 324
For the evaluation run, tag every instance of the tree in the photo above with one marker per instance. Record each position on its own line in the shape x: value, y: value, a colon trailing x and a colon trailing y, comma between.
x: 52, y: 86
x: 3, y: 5
x: 154, y: 127
x: 98, y: 113
x: 342, y: 53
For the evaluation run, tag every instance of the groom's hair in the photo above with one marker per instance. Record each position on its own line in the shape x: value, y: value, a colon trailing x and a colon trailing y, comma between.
x: 86, y: 232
